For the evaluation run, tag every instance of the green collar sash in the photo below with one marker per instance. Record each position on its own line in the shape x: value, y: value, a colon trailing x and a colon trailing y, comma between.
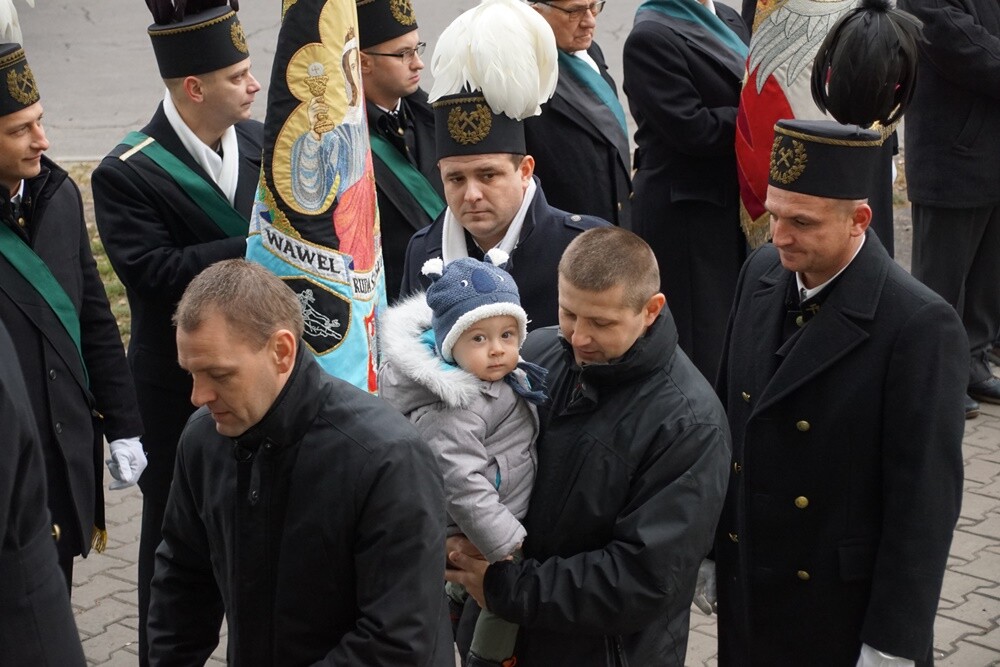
x: 38, y: 275
x: 209, y: 199
x: 696, y: 13
x: 411, y: 179
x: 586, y: 75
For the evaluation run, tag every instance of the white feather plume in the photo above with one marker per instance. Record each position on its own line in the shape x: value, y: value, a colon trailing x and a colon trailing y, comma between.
x: 502, y: 48
x: 10, y: 27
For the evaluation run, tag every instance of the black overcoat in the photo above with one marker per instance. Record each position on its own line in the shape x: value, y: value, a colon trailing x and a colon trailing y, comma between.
x: 72, y: 416
x: 319, y: 532
x: 533, y: 264
x: 846, y: 478
x: 158, y: 239
x: 399, y: 213
x: 683, y: 95
x: 36, y: 620
x: 581, y: 153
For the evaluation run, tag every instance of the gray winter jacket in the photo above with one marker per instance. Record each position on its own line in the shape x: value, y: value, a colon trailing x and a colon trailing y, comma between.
x: 482, y: 433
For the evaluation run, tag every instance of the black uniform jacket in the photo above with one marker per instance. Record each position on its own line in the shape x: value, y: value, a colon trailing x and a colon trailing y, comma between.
x: 544, y: 235
x: 36, y: 621
x: 399, y: 213
x: 632, y: 464
x: 581, y: 153
x: 158, y: 239
x: 319, y: 532
x: 68, y: 412
x: 952, y: 124
x: 846, y: 477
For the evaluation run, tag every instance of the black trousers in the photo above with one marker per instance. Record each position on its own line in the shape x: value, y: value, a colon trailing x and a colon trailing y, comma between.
x: 956, y: 252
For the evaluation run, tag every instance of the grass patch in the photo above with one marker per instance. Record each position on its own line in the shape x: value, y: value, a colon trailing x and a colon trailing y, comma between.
x: 80, y: 172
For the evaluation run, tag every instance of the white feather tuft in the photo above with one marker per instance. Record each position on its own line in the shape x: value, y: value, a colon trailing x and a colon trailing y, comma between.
x: 10, y: 27
x: 504, y: 49
x: 497, y: 256
x: 433, y: 267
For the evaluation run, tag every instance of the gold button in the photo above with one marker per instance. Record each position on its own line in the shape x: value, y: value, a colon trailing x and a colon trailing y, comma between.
x: 733, y: 537
x: 802, y: 502
x: 746, y: 397
x: 56, y: 531
x: 619, y: 206
x: 20, y: 222
x: 803, y: 575
x: 803, y: 425
x: 400, y: 131
x: 737, y: 468
x: 799, y: 321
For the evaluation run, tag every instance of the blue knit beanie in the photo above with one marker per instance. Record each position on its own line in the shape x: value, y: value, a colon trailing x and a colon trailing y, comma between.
x: 467, y: 291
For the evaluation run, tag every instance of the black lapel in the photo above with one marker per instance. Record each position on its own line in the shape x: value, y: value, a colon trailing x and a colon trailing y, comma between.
x: 249, y: 174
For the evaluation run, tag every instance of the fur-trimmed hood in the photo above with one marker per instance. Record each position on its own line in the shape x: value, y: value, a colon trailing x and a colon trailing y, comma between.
x: 412, y: 375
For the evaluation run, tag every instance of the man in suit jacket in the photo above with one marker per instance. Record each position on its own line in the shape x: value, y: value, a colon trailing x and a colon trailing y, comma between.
x: 843, y: 381
x: 580, y: 140
x: 170, y: 201
x: 683, y: 68
x: 52, y: 302
x: 953, y: 171
x: 494, y: 201
x: 400, y: 128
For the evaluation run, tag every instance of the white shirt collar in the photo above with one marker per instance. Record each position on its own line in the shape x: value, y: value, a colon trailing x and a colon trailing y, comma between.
x: 585, y: 57
x: 808, y: 293
x: 224, y: 170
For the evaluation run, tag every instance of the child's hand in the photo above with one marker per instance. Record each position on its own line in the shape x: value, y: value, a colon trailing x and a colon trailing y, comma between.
x: 462, y: 544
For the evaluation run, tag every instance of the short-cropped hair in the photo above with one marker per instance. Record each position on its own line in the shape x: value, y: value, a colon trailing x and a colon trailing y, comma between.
x: 254, y: 301
x: 604, y: 257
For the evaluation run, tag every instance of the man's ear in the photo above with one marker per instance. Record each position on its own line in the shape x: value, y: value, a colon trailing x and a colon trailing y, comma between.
x: 860, y: 219
x: 526, y: 169
x: 283, y: 346
x: 194, y: 89
x: 366, y: 61
x: 653, y: 307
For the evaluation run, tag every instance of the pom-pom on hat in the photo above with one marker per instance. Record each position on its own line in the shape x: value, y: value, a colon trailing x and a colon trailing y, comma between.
x: 467, y: 291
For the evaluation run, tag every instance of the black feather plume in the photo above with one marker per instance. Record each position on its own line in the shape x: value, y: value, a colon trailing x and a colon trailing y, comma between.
x: 865, y: 70
x: 169, y: 11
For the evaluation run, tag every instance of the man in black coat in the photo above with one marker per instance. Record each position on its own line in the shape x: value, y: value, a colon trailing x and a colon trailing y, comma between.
x: 308, y: 512
x: 36, y: 620
x: 494, y: 201
x: 170, y: 201
x: 580, y: 140
x: 632, y: 462
x: 684, y: 65
x: 400, y: 128
x: 953, y: 171
x: 846, y: 477
x: 52, y: 302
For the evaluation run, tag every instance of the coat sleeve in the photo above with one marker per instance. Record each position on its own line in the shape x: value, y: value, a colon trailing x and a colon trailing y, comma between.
x: 660, y: 89
x: 186, y: 608
x: 103, y: 353
x: 958, y: 46
x: 145, y: 255
x: 922, y: 480
x: 399, y: 559
x: 659, y: 538
x: 473, y: 501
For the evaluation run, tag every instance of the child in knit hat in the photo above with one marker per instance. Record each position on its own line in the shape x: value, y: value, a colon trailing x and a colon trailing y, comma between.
x: 452, y: 366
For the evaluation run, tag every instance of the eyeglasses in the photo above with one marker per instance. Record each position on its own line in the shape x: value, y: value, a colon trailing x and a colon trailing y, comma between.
x: 406, y: 55
x: 577, y: 13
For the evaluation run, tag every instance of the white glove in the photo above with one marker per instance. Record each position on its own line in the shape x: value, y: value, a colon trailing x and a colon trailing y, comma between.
x: 874, y: 658
x: 126, y: 463
x: 706, y: 595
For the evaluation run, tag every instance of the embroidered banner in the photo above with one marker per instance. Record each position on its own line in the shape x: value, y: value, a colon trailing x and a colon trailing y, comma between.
x: 786, y: 36
x: 315, y: 219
